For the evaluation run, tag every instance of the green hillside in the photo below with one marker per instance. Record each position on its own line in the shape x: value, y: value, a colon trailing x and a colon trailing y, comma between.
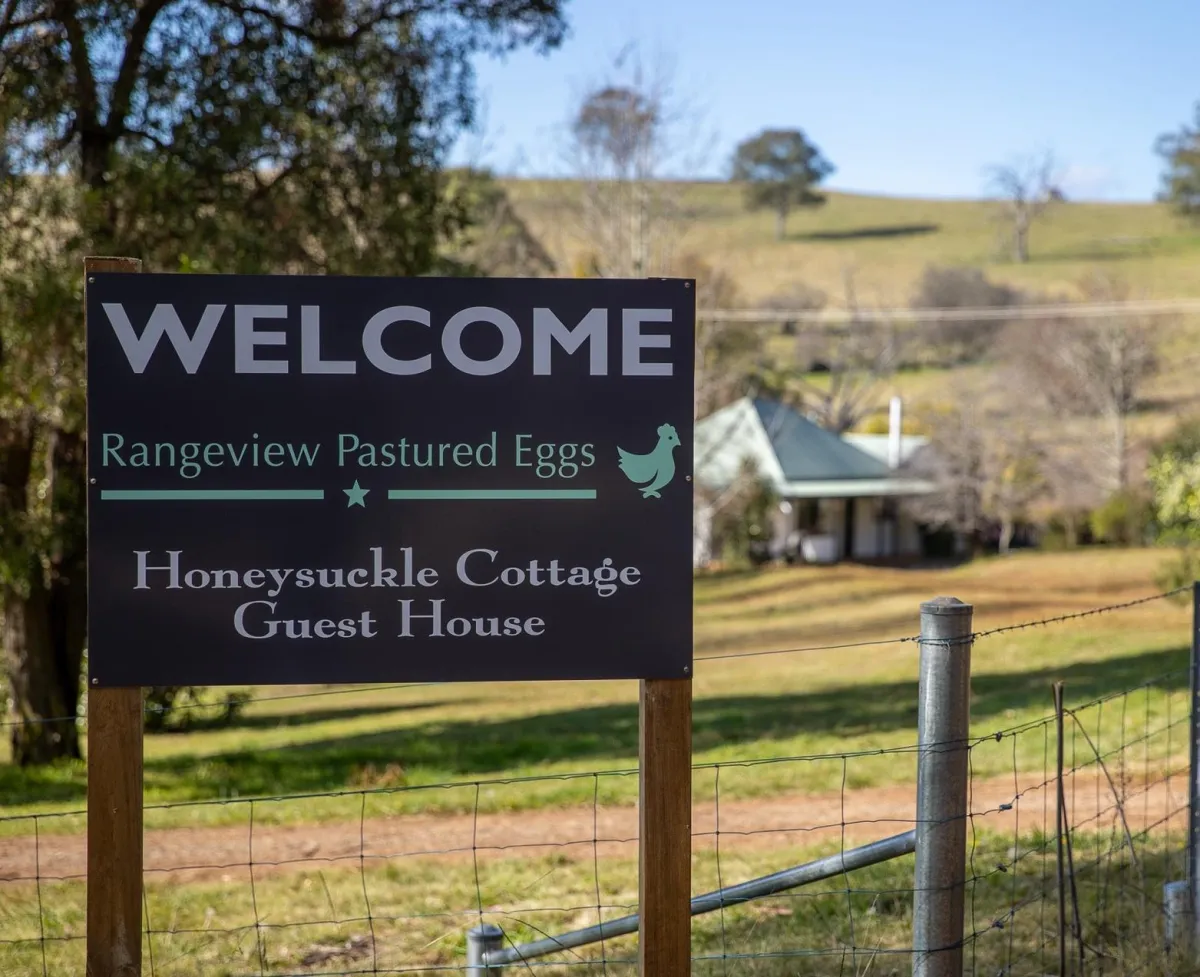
x: 887, y: 241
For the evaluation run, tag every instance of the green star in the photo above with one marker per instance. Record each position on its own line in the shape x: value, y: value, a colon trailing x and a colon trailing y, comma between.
x: 356, y: 495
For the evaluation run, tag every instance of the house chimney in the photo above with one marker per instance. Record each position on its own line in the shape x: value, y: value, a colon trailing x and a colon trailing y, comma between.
x: 895, y: 422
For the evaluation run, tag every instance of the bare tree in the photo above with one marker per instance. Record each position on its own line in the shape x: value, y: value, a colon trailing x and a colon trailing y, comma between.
x: 1013, y: 470
x: 625, y: 132
x: 987, y: 461
x: 854, y: 358
x: 1090, y: 368
x: 725, y: 351
x: 1026, y: 188
x: 954, y: 462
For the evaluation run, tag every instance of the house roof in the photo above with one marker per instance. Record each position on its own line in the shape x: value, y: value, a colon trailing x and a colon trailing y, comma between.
x: 797, y: 457
x: 877, y: 445
x: 808, y: 452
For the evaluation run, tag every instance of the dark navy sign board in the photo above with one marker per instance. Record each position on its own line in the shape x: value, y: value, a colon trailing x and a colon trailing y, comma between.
x: 317, y: 480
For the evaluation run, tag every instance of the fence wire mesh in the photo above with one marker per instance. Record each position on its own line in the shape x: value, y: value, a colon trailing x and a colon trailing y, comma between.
x: 1121, y: 790
x: 389, y: 880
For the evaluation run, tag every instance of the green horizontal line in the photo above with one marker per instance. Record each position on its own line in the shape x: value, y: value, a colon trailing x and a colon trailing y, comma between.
x: 482, y: 494
x: 206, y: 495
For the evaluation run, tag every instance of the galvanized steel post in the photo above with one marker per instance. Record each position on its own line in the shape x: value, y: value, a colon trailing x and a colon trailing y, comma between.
x: 943, y: 723
x: 482, y: 940
x: 1178, y: 922
x: 1193, y: 839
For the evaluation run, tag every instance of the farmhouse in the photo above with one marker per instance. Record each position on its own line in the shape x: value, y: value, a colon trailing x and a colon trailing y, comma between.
x: 842, y: 498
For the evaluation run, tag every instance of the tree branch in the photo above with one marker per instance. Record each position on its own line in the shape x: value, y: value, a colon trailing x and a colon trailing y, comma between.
x: 131, y: 64
x: 10, y: 23
x: 85, y: 81
x: 325, y: 37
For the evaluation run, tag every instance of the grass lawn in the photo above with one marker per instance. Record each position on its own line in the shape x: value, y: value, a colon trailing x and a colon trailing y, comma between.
x: 800, y: 703
x: 888, y: 241
x: 414, y: 913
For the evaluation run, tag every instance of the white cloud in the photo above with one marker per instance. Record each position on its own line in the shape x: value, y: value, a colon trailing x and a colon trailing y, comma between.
x: 1083, y: 182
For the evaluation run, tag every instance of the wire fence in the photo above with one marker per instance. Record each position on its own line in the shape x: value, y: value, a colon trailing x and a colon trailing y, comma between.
x: 389, y: 880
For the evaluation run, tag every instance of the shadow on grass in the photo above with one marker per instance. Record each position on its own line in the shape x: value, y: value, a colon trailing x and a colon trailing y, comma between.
x: 600, y: 736
x: 866, y: 233
x: 309, y: 717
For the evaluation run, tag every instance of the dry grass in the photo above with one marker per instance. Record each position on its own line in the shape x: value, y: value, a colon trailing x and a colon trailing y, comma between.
x: 797, y: 703
x: 888, y: 241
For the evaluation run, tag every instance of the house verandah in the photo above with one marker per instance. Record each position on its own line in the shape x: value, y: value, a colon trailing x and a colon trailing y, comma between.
x: 841, y: 498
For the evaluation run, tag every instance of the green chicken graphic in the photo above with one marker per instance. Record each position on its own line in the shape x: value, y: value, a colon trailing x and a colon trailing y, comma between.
x: 656, y: 469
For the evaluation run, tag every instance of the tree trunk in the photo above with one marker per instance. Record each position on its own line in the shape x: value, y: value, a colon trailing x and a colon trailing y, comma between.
x: 45, y: 608
x: 1006, y: 535
x: 43, y: 674
x: 1120, y: 450
x: 1021, y: 240
x: 780, y: 224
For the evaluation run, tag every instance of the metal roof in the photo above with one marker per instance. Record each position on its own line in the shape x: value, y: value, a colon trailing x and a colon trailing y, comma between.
x: 797, y: 457
x: 808, y: 452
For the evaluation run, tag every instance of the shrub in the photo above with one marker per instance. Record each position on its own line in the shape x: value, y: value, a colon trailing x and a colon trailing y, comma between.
x: 176, y: 708
x: 968, y: 339
x: 1066, y: 530
x: 1123, y: 520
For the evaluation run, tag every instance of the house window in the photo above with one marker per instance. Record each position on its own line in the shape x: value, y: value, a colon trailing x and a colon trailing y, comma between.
x: 888, y: 510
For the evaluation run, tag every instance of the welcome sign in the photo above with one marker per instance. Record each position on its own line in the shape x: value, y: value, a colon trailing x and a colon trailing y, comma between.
x: 316, y: 479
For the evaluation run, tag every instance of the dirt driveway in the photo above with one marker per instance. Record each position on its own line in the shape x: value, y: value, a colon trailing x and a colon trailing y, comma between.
x: 226, y: 853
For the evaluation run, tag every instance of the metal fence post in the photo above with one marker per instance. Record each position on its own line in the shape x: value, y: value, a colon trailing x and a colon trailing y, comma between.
x: 1192, y: 869
x: 1177, y: 918
x: 943, y: 723
x: 482, y: 940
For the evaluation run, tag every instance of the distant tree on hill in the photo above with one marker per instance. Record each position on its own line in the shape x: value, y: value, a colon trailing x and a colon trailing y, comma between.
x: 781, y: 170
x: 1026, y: 188
x: 1181, y: 181
x: 623, y: 134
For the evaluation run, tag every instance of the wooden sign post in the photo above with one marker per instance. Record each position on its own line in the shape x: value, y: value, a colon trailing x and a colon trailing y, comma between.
x: 665, y: 822
x: 114, y: 804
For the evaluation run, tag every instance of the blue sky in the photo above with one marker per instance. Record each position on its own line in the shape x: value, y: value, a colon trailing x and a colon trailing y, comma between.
x: 913, y: 98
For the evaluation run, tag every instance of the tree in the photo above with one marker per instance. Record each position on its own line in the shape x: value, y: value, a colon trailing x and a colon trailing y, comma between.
x: 497, y: 242
x: 1090, y: 368
x: 1026, y: 189
x: 970, y: 338
x: 987, y: 463
x: 1181, y: 181
x: 209, y: 134
x: 1174, y: 476
x: 725, y: 351
x: 954, y: 461
x: 841, y: 368
x: 780, y: 169
x: 623, y: 134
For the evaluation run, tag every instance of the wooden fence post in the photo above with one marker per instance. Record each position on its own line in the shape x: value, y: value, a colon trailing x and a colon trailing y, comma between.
x: 114, y: 804
x: 665, y: 835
